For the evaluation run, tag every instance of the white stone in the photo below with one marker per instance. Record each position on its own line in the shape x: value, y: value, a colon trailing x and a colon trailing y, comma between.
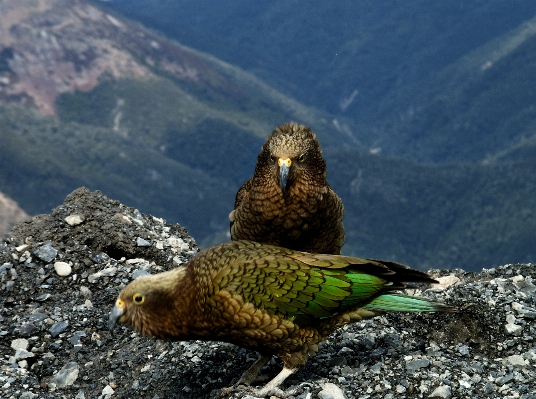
x: 516, y: 361
x: 400, y: 389
x: 445, y: 282
x: 74, y: 220
x: 22, y: 248
x: 441, y: 392
x: 331, y: 391
x: 513, y: 329
x: 19, y: 343
x: 136, y: 260
x: 62, y: 268
x: 145, y: 368
x: 108, y: 390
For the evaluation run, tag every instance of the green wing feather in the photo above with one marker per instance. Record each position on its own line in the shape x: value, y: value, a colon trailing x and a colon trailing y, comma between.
x: 305, y: 286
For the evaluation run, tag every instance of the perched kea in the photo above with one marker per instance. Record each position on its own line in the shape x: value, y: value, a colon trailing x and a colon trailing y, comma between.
x: 288, y: 202
x: 270, y: 299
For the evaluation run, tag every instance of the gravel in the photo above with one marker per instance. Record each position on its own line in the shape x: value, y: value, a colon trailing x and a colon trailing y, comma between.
x: 55, y: 344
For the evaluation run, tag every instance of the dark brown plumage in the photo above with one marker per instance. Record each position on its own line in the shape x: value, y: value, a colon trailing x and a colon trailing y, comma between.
x: 265, y: 298
x: 288, y: 201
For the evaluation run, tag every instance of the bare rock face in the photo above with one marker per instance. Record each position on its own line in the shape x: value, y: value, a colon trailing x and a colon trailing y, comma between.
x: 55, y: 341
x: 10, y: 214
x: 50, y: 47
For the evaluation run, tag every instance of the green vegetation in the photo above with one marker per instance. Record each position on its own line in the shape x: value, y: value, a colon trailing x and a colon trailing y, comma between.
x: 43, y: 160
x: 435, y: 81
x: 448, y: 216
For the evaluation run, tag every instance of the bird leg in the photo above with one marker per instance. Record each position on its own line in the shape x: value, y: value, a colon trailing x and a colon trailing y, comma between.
x: 251, y: 374
x: 271, y: 388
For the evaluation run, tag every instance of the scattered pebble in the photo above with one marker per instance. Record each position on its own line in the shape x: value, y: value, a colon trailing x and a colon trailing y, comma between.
x: 140, y: 242
x: 331, y: 391
x: 58, y: 328
x: 46, y: 253
x: 108, y: 390
x: 62, y: 268
x: 66, y: 376
x: 74, y: 220
x: 443, y: 391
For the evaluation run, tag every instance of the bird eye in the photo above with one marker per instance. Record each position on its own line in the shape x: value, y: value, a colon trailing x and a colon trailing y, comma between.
x: 138, y: 299
x: 273, y: 159
x: 301, y: 158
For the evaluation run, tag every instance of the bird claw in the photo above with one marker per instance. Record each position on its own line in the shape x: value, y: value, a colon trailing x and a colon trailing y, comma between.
x: 225, y: 392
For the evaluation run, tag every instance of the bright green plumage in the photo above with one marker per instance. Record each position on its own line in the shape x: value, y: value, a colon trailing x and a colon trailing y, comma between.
x: 306, y: 287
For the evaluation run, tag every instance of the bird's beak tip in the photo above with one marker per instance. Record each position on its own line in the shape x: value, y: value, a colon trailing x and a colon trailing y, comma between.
x: 115, y: 315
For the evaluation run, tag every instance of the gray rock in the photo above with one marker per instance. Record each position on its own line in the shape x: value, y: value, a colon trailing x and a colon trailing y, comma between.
x: 46, y: 253
x: 504, y: 379
x: 140, y: 273
x: 101, y: 257
x: 37, y: 317
x: 140, y: 242
x: 28, y: 395
x: 416, y: 364
x: 75, y: 339
x: 27, y: 329
x: 66, y: 376
x: 58, y: 328
x: 42, y: 298
x: 21, y: 354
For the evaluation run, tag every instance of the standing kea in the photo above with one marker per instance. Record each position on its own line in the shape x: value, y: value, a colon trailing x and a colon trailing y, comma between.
x: 269, y: 299
x: 288, y: 202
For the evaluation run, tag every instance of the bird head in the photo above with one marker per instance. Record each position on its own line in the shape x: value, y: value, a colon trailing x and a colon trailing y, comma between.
x: 145, y: 304
x: 292, y: 153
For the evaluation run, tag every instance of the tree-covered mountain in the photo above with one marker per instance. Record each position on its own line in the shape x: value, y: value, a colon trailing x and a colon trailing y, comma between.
x: 427, y: 80
x: 88, y: 98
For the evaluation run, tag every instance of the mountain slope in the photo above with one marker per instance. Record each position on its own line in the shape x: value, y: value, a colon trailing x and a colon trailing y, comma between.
x: 445, y: 216
x: 427, y: 80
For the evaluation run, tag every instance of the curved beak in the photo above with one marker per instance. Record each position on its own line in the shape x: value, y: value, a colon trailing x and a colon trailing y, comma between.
x: 284, y: 167
x: 115, y: 315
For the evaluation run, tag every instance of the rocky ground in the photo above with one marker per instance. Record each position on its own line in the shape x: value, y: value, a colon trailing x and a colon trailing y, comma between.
x: 60, y: 274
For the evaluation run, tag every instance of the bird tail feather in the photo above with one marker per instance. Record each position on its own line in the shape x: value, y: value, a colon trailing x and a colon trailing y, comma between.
x: 405, y: 303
